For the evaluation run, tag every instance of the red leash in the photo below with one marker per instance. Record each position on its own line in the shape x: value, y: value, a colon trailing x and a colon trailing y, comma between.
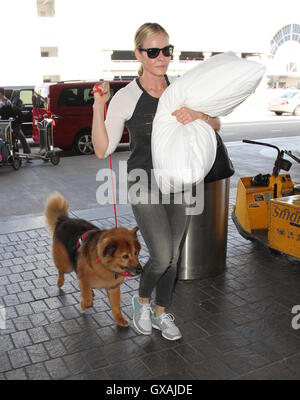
x: 112, y: 182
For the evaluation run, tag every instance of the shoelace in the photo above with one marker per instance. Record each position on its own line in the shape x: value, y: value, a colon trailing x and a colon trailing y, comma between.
x: 145, y: 311
x: 168, y: 319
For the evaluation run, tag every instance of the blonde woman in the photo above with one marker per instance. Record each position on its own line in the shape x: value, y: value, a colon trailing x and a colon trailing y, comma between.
x: 162, y: 225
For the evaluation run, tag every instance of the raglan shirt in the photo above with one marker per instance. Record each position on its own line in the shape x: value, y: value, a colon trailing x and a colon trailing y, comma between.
x: 135, y: 108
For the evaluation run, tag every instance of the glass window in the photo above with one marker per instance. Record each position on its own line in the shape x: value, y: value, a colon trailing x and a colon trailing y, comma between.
x: 26, y: 97
x: 88, y: 97
x: 288, y: 95
x: 45, y: 8
x: 49, y: 51
x: 69, y: 97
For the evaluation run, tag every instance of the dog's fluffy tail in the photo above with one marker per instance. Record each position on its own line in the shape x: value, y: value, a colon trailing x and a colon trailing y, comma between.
x: 56, y: 206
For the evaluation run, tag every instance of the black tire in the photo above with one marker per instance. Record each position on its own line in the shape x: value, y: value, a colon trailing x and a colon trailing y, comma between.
x: 16, y: 163
x: 55, y: 159
x: 278, y: 112
x: 297, y: 111
x: 83, y: 143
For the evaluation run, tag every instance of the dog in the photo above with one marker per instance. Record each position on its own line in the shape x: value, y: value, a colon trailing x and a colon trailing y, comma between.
x: 101, y: 258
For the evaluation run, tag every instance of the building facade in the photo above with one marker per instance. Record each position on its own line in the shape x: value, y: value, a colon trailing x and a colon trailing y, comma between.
x: 68, y: 40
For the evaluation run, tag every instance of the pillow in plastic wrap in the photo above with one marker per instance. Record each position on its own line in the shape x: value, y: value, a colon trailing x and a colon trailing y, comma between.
x: 184, y: 154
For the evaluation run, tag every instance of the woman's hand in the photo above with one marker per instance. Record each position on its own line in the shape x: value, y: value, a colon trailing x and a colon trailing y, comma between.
x: 185, y: 115
x: 101, y: 92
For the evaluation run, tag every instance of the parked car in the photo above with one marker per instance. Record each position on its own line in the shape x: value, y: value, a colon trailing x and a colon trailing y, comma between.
x: 25, y: 94
x: 289, y: 102
x: 72, y: 103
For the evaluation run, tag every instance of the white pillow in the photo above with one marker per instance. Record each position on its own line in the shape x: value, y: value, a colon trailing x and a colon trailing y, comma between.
x: 184, y: 154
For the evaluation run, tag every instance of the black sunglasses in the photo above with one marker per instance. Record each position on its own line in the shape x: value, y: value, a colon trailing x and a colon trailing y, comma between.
x: 153, y: 52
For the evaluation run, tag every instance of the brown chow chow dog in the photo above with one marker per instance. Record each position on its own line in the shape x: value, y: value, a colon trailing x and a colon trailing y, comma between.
x: 101, y: 258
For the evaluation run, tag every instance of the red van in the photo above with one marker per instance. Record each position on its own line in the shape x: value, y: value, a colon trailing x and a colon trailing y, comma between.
x: 71, y: 102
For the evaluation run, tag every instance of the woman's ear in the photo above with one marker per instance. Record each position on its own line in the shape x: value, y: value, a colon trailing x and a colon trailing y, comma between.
x: 138, y: 55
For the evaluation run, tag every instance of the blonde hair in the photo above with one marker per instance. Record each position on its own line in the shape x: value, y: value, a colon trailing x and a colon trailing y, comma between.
x: 144, y: 31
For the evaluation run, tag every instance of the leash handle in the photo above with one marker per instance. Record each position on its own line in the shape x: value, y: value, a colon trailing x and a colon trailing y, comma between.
x: 112, y: 179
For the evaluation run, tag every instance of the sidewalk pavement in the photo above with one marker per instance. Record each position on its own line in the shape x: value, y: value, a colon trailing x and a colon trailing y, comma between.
x: 235, y: 326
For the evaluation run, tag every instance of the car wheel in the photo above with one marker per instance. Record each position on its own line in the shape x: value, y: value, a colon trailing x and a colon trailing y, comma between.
x: 278, y: 113
x: 83, y: 143
x: 297, y: 111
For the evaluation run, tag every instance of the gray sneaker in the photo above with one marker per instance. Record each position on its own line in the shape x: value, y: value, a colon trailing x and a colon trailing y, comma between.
x: 141, y: 316
x: 165, y: 323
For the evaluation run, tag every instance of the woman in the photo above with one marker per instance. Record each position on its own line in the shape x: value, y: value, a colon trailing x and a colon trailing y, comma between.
x: 162, y: 225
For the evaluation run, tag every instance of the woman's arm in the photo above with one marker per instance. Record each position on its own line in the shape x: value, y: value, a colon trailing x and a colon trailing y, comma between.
x: 99, y: 133
x: 185, y: 115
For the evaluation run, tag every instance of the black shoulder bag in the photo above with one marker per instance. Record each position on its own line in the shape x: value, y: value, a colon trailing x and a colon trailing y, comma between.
x: 222, y: 167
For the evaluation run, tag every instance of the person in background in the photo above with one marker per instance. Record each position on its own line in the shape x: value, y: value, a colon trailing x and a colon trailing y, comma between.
x: 4, y: 101
x: 17, y: 105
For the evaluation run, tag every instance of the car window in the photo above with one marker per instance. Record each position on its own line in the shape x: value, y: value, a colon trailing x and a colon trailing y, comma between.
x: 26, y: 97
x: 288, y: 95
x: 76, y: 97
x: 88, y: 97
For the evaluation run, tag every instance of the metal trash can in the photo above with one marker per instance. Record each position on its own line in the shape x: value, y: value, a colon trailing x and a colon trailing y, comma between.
x: 204, y: 248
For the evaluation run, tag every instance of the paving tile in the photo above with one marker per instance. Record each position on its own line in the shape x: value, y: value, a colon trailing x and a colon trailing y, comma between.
x: 38, y: 320
x: 21, y: 339
x: 96, y: 359
x: 5, y: 364
x: 55, y: 348
x: 25, y: 297
x: 227, y: 341
x: 37, y: 353
x: 80, y: 342
x: 38, y: 335
x: 16, y: 375
x: 37, y: 372
x: 23, y: 323
x: 5, y: 343
x: 77, y: 363
x: 212, y: 369
x: 132, y: 370
x: 55, y: 330
x: 18, y: 358
x: 57, y: 369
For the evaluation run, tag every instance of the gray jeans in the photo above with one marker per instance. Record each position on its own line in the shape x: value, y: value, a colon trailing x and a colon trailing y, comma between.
x: 162, y: 227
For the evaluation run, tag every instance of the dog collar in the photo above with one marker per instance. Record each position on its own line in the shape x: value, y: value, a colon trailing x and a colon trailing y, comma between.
x: 82, y: 239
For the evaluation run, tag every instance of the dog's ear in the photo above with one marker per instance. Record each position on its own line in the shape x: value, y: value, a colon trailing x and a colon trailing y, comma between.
x: 135, y: 229
x: 109, y: 250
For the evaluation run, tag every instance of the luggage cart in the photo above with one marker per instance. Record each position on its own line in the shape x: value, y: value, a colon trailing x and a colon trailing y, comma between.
x: 46, y: 152
x: 11, y: 151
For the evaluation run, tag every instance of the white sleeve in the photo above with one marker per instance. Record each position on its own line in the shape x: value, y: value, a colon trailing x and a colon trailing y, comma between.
x: 119, y: 111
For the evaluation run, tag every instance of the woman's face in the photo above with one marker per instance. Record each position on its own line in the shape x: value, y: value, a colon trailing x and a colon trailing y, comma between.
x: 156, y: 66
